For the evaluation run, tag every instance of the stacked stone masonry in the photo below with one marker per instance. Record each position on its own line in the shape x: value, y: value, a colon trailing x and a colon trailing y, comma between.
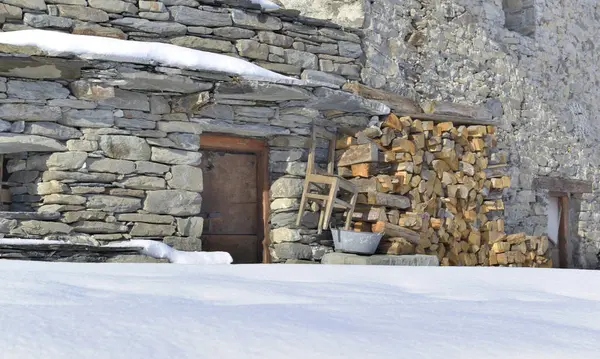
x: 279, y: 40
x: 543, y: 87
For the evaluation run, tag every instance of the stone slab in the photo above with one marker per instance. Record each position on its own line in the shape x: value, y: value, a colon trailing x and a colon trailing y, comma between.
x: 407, y: 260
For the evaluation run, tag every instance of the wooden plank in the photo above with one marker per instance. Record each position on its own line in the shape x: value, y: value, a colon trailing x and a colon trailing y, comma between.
x: 393, y: 230
x: 384, y: 199
x: 263, y: 188
x: 358, y: 154
x: 231, y: 143
x: 446, y: 118
x: 563, y: 233
x: 394, y: 101
x: 562, y: 185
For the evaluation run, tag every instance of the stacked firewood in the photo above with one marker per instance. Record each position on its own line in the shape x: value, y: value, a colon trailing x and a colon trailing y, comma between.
x: 430, y: 187
x: 520, y: 250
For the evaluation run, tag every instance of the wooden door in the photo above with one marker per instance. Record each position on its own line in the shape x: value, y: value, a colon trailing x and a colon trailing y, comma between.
x: 230, y: 204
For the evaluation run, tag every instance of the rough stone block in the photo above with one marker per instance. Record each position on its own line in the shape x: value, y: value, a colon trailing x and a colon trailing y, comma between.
x: 173, y: 202
x: 187, y: 178
x: 152, y: 230
x: 82, y: 13
x: 52, y: 130
x: 287, y: 187
x: 184, y: 244
x: 189, y: 16
x: 26, y: 112
x: 146, y: 218
x: 125, y: 147
x: 292, y: 251
x: 66, y: 160
x: 175, y: 157
x: 114, y: 204
x: 190, y: 227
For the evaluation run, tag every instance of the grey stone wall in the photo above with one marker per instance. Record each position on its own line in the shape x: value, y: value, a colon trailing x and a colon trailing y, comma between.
x: 109, y: 151
x: 279, y: 40
x: 533, y: 63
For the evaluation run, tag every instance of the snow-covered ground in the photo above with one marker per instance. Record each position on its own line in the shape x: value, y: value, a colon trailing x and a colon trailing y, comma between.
x: 61, y: 310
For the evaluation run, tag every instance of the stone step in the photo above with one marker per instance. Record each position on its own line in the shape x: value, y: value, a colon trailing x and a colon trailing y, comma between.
x: 405, y: 260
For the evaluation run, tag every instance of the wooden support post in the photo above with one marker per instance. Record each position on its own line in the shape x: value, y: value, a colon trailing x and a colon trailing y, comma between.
x: 563, y: 232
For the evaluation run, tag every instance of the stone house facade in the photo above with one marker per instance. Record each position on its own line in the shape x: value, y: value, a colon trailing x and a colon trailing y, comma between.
x: 531, y: 67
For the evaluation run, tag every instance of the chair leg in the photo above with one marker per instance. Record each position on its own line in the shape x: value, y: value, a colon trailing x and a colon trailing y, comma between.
x: 302, y: 203
x: 351, y: 210
x: 321, y: 218
x: 330, y: 203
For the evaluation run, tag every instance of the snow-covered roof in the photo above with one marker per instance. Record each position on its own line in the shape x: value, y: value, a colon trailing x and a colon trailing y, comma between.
x: 102, y: 48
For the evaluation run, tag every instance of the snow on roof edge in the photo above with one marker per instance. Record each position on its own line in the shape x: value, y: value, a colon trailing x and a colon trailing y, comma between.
x: 103, y: 48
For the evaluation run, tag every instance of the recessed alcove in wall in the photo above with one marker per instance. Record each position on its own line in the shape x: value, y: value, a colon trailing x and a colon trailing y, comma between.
x: 519, y: 16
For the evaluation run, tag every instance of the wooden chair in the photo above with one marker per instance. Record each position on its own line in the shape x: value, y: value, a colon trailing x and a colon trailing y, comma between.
x: 321, y: 180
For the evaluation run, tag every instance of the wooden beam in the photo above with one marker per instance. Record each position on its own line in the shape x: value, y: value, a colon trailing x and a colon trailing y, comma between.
x: 392, y: 100
x: 461, y: 120
x: 231, y: 143
x: 562, y: 185
x: 563, y: 233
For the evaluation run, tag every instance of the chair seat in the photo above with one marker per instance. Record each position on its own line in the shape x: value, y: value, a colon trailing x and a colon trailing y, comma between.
x: 331, y: 180
x: 337, y: 202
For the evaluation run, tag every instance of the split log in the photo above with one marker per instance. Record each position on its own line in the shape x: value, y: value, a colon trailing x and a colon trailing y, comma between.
x: 393, y: 230
x: 369, y: 214
x: 392, y: 100
x: 358, y: 154
x: 384, y: 199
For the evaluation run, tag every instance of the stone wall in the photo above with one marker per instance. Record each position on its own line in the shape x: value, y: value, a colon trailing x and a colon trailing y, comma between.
x: 541, y: 79
x: 279, y: 40
x: 102, y: 151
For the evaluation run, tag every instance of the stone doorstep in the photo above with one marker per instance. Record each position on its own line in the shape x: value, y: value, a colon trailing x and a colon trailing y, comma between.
x: 381, y: 259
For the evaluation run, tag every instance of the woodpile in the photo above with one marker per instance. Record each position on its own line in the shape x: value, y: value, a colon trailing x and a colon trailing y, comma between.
x: 431, y: 187
x: 520, y: 250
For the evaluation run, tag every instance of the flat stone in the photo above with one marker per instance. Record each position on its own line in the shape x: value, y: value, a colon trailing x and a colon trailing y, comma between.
x: 184, y: 244
x: 78, y: 177
x: 26, y: 112
x: 255, y: 21
x: 187, y: 178
x: 75, y: 189
x: 150, y: 167
x: 82, y: 145
x: 151, y: 230
x: 303, y: 59
x: 136, y: 124
x: 274, y: 39
x: 82, y: 13
x: 320, y: 76
x: 57, y: 208
x: 233, y: 33
x: 280, y: 68
x: 67, y: 199
x: 45, y: 188
x: 185, y: 141
x: 127, y: 100
x: 146, y: 218
x: 199, y: 30
x: 200, y: 43
x: 30, y: 215
x: 66, y: 161
x: 285, y: 204
x: 113, y: 6
x: 154, y: 6
x: 39, y: 68
x: 162, y: 83
x: 350, y: 49
x: 47, y: 21
x: 88, y: 118
x: 126, y: 192
x: 283, y: 235
x: 7, y: 225
x: 125, y: 147
x: 11, y: 12
x: 290, y: 168
x: 252, y: 49
x: 260, y: 91
x: 110, y: 165
x: 287, y: 187
x: 173, y: 202
x: 190, y: 227
x: 250, y: 130
x: 390, y: 260
x: 52, y: 130
x: 6, y: 126
x: 222, y: 112
x: 23, y: 176
x: 83, y: 89
x: 114, y: 204
x: 331, y: 49
x: 175, y: 157
x: 14, y: 143
x: 292, y: 251
x: 144, y: 182
x: 179, y: 126
x: 159, y: 105
x: 41, y: 228
x: 133, y: 258
x: 190, y: 103
x: 27, y: 4
x: 254, y: 111
x: 192, y: 3
x: 162, y: 28
x: 339, y: 35
x: 327, y: 99
x: 71, y: 103
x: 92, y: 29
x: 189, y: 16
x: 72, y: 217
x: 288, y: 219
x: 93, y: 227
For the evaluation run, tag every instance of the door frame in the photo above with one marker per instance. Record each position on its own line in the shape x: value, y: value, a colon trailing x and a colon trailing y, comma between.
x: 233, y: 144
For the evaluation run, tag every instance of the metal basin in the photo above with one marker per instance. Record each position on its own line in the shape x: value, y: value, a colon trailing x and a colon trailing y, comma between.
x: 355, y: 242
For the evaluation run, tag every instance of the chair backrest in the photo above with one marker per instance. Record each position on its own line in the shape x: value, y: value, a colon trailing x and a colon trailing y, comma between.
x: 331, y: 137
